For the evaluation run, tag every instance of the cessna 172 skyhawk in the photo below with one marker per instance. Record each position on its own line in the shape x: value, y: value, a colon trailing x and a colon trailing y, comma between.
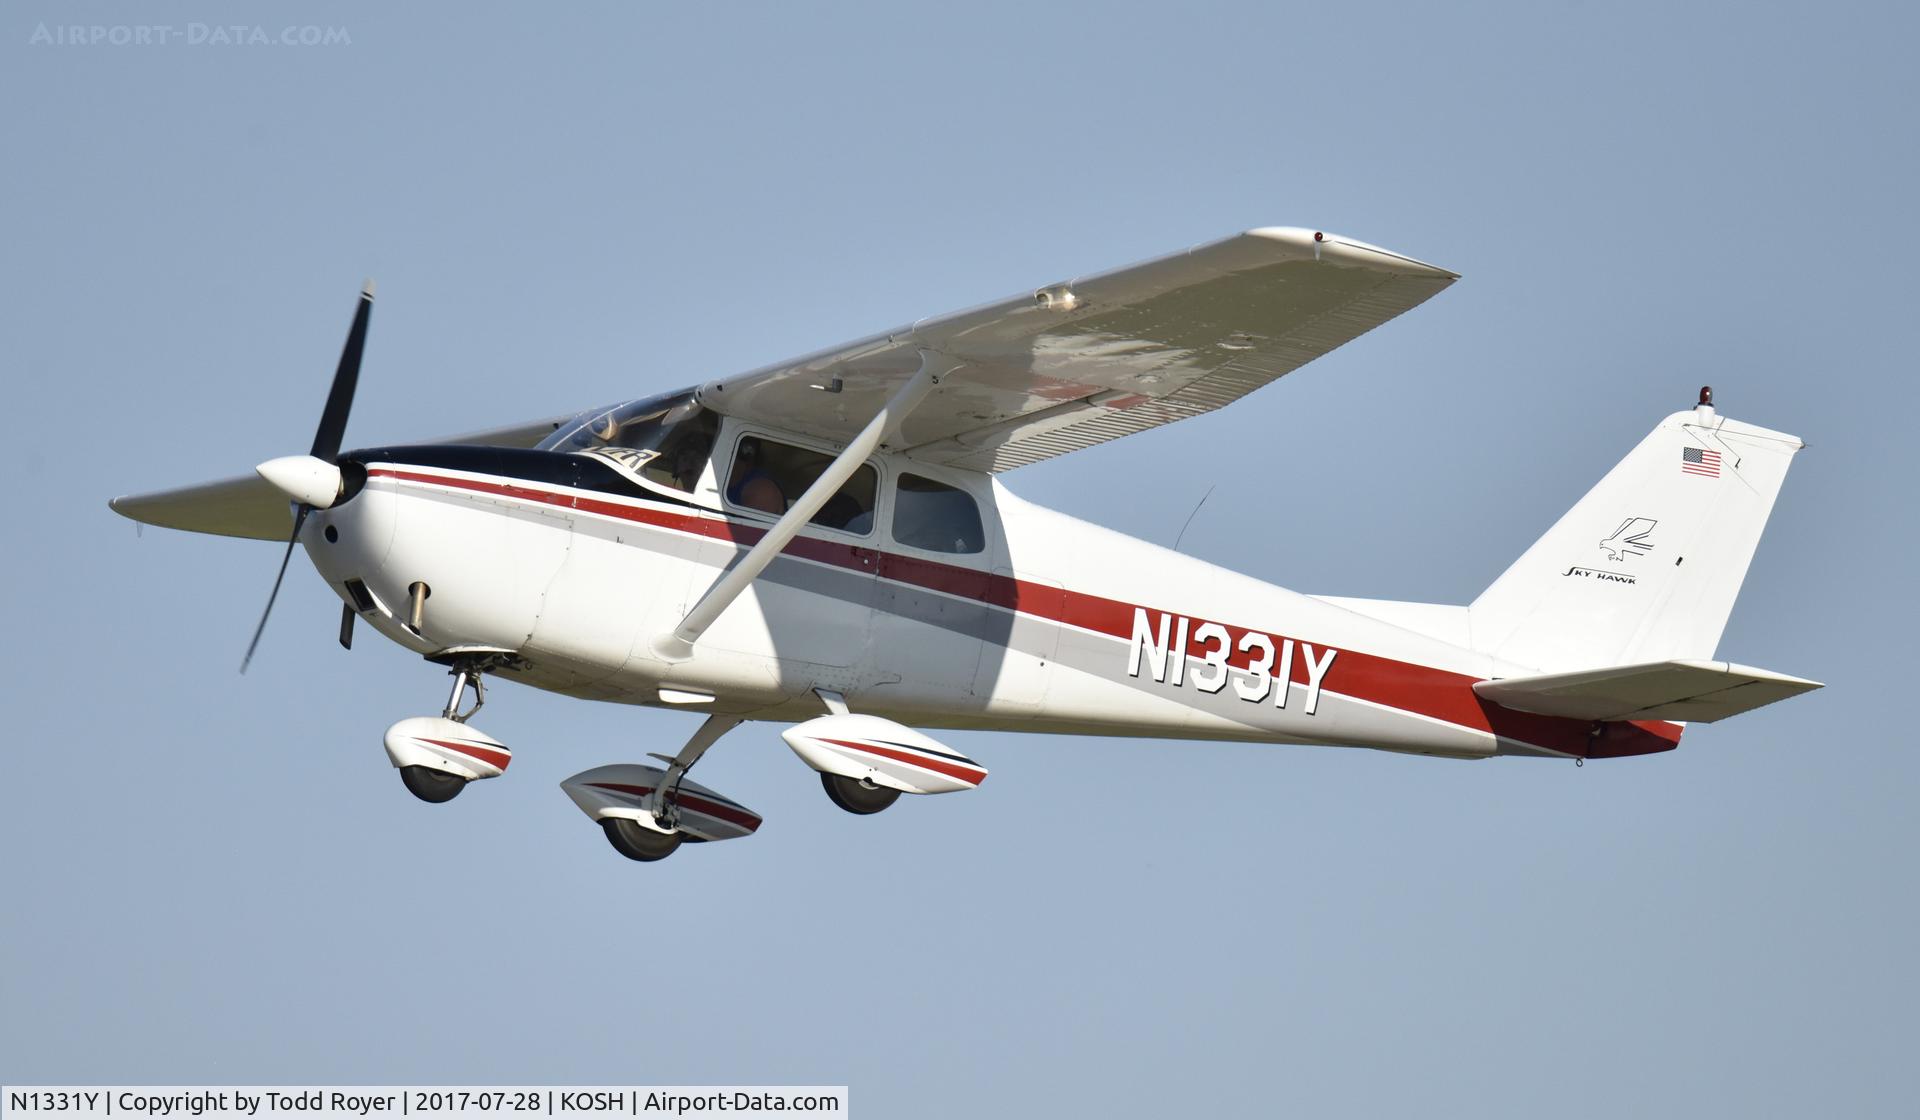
x: 826, y: 542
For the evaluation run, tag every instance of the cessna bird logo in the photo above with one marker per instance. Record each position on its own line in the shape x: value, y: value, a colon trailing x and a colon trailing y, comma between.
x: 1630, y: 539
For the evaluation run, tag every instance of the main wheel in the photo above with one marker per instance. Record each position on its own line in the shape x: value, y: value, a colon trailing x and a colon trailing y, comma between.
x: 636, y: 841
x: 430, y: 785
x: 857, y: 796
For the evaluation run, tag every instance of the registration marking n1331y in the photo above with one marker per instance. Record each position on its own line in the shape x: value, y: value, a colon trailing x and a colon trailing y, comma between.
x: 1165, y: 651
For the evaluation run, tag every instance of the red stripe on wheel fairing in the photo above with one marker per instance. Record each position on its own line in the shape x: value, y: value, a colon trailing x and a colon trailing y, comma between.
x: 699, y: 804
x: 915, y: 758
x: 1419, y: 689
x: 497, y: 759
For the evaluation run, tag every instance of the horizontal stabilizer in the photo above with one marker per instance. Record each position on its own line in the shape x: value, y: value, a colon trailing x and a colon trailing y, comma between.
x: 1689, y: 691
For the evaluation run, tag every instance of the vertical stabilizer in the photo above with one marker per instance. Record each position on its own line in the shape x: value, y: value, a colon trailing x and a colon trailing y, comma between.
x: 1646, y: 566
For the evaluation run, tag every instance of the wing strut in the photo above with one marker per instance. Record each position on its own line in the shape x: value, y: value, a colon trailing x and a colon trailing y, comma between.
x: 678, y: 646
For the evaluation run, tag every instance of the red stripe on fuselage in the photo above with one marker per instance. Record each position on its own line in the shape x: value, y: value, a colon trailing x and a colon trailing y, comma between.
x: 1419, y: 689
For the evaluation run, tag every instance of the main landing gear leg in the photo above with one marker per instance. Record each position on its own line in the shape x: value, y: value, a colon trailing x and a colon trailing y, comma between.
x: 635, y: 840
x: 666, y: 800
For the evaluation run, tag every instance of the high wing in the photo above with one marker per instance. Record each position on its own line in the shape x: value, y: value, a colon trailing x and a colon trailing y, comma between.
x: 1092, y: 359
x: 250, y: 506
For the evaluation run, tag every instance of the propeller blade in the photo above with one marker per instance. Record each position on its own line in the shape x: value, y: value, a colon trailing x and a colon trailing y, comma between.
x: 333, y: 421
x: 299, y: 519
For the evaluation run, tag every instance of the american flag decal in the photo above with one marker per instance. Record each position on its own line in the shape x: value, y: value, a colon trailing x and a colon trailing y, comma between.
x: 1695, y: 460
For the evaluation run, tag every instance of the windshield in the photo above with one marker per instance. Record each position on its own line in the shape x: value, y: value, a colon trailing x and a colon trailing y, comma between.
x: 662, y: 440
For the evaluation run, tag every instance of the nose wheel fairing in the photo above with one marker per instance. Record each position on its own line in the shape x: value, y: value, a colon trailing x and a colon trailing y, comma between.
x: 446, y: 745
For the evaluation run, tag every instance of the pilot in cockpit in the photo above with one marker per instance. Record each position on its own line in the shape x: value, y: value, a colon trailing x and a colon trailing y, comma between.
x: 688, y: 458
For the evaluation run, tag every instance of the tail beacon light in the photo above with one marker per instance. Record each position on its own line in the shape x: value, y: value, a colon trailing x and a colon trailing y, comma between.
x: 627, y: 792
x: 441, y: 744
x: 884, y: 753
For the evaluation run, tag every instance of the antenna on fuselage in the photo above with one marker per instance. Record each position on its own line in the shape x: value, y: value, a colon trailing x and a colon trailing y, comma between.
x: 1196, y: 510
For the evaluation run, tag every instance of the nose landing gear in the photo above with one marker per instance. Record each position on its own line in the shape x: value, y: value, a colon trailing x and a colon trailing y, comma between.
x: 438, y: 755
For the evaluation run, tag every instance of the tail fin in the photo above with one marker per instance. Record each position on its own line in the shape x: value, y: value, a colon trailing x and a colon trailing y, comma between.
x: 1645, y: 568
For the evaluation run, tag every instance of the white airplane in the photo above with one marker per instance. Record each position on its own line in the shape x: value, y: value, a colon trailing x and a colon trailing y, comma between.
x: 826, y: 542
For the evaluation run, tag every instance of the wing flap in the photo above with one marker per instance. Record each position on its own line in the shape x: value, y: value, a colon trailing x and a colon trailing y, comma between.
x: 1689, y: 691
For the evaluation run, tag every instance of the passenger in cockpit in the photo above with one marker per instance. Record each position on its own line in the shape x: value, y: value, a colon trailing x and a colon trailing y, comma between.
x: 763, y: 493
x: 751, y: 485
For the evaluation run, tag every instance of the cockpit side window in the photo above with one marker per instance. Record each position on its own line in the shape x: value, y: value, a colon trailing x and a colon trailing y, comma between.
x: 936, y: 517
x: 768, y: 476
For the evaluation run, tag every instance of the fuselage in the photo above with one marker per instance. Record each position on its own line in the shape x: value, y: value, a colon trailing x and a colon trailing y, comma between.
x: 1046, y: 623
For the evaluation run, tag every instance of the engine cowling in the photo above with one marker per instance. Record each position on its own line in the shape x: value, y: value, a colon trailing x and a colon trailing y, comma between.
x: 889, y: 754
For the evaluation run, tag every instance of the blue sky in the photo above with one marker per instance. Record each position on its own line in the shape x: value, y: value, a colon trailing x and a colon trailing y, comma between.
x: 215, y: 878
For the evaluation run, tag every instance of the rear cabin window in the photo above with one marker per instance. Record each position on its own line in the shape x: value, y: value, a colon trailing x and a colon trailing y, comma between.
x: 769, y: 476
x: 935, y: 516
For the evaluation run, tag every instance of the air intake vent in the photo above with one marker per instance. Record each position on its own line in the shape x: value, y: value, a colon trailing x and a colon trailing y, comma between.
x: 362, y: 598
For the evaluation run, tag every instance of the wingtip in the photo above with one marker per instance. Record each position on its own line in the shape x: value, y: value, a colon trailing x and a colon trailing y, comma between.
x: 366, y: 290
x: 1320, y: 241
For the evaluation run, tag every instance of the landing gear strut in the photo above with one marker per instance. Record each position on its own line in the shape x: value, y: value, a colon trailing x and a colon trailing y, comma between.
x: 666, y: 800
x: 466, y: 672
